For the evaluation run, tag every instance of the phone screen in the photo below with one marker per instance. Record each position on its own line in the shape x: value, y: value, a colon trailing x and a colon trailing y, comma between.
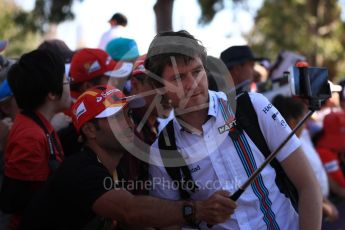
x: 318, y: 82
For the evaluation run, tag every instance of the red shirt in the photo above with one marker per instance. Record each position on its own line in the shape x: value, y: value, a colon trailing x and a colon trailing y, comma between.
x: 27, y: 150
x: 332, y: 165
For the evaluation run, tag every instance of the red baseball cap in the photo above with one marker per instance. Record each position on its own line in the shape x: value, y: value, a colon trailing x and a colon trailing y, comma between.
x: 89, y: 63
x: 100, y: 102
x: 139, y: 67
x: 334, y: 131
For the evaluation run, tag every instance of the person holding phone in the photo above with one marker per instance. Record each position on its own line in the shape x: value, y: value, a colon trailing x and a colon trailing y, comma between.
x: 213, y: 159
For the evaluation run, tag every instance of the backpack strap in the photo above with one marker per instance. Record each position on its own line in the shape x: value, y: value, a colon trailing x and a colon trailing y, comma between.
x: 247, y: 120
x: 180, y: 175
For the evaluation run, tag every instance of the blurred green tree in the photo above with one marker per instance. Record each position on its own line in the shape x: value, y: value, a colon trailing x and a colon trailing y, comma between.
x: 46, y: 15
x: 26, y: 29
x: 312, y: 28
x: 209, y: 8
x: 164, y: 10
x: 21, y: 37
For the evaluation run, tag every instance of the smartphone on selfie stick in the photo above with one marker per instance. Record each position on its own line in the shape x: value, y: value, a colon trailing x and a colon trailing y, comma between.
x: 310, y: 83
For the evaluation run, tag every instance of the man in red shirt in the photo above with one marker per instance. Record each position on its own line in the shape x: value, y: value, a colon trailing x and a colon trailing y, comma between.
x: 33, y: 150
x: 331, y: 147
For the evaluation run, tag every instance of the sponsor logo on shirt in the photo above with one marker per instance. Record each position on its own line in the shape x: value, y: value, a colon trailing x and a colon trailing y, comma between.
x: 283, y: 123
x: 227, y: 127
x: 275, y: 115
x: 197, y: 168
x: 267, y: 108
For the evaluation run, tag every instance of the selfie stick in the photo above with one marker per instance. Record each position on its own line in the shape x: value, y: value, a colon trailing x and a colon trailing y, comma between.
x: 243, y: 187
x: 314, y: 104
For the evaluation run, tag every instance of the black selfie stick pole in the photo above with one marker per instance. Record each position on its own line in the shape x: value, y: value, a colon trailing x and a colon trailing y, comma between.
x: 314, y: 105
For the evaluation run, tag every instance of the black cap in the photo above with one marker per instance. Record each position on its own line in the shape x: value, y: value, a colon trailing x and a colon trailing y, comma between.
x: 237, y: 55
x: 119, y: 18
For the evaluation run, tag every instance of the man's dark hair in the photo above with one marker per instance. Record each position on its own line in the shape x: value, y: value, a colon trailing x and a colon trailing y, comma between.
x: 289, y: 108
x: 59, y: 47
x: 120, y: 19
x: 34, y: 76
x: 77, y: 87
x: 180, y: 45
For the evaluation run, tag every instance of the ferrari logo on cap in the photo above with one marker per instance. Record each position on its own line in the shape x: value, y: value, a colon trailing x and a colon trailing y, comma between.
x: 98, y: 99
x: 107, y: 62
x: 80, y: 110
x: 95, y: 66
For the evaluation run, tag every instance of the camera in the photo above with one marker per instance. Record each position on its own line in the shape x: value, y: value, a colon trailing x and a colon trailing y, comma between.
x: 309, y: 82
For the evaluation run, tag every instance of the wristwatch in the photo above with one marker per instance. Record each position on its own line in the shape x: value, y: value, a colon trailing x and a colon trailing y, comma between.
x: 189, y: 213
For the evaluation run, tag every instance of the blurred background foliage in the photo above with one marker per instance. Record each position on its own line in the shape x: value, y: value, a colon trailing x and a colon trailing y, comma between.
x: 25, y: 30
x: 15, y: 27
x: 313, y: 28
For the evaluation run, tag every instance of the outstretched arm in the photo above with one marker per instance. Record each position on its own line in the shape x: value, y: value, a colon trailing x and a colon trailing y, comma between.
x: 124, y: 207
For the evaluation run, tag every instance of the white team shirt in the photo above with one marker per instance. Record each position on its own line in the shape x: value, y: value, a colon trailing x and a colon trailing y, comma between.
x: 215, y: 165
x: 114, y: 32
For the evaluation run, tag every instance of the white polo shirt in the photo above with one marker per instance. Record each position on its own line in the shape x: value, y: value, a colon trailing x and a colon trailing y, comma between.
x: 215, y: 164
x: 114, y: 32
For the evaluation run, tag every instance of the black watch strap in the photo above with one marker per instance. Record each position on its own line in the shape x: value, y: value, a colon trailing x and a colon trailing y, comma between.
x: 189, y: 213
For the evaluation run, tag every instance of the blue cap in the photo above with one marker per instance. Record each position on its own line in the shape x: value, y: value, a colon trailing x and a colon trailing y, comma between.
x: 5, y: 91
x: 3, y: 44
x: 122, y: 49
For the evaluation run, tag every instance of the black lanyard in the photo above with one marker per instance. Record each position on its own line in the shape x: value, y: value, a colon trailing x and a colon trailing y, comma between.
x: 53, y: 162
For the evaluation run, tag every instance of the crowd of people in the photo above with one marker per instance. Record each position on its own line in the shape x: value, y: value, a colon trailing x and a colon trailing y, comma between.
x: 108, y: 138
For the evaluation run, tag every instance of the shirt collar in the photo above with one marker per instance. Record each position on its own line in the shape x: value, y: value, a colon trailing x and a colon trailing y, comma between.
x: 212, y: 105
x: 212, y: 109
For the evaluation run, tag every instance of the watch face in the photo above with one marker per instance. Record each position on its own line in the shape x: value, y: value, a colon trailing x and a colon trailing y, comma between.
x: 188, y: 210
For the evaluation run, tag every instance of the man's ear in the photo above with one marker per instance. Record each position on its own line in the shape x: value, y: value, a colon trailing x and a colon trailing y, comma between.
x: 85, y: 86
x: 292, y: 123
x: 236, y: 69
x: 89, y: 130
x: 135, y: 85
x: 52, y: 97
